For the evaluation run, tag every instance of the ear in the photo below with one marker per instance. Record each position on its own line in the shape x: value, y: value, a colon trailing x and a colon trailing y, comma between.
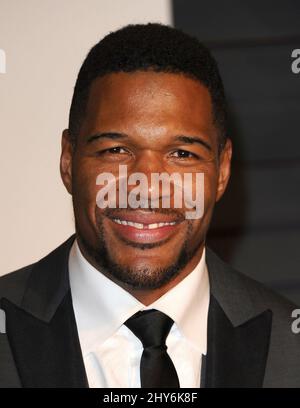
x: 224, y: 169
x: 66, y: 160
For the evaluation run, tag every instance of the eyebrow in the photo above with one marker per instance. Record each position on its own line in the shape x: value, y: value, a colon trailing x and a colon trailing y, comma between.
x: 179, y: 138
x: 106, y: 135
x: 192, y: 140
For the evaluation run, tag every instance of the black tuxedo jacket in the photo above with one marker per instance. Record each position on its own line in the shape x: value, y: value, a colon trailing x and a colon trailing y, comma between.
x: 250, y: 339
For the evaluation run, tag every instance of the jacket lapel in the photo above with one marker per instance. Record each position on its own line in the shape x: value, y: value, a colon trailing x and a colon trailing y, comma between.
x: 47, y: 354
x: 42, y: 330
x: 238, y: 330
x: 236, y: 356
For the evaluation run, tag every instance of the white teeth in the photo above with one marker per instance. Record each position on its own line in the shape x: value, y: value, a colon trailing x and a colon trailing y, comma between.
x: 152, y: 226
x: 160, y: 224
x: 143, y: 226
x: 138, y: 225
x: 132, y: 224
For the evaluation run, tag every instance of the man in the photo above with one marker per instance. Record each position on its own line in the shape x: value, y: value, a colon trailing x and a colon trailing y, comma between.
x: 135, y: 298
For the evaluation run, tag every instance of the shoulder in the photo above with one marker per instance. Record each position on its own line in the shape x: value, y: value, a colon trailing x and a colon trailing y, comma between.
x: 13, y: 284
x: 239, y: 289
x: 244, y: 299
x: 39, y: 275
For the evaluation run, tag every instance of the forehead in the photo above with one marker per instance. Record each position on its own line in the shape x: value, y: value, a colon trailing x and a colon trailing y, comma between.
x: 148, y: 99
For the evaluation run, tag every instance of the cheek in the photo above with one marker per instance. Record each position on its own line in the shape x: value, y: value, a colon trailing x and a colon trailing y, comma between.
x: 85, y: 189
x: 210, y: 189
x: 205, y: 190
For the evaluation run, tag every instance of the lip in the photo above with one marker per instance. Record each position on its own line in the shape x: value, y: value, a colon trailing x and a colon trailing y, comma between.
x: 145, y: 235
x: 146, y: 217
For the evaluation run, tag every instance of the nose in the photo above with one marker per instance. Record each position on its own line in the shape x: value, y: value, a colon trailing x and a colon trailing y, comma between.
x: 147, y: 164
x: 149, y: 161
x: 150, y: 171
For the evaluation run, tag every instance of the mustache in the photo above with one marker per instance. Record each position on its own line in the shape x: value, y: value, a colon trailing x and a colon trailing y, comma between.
x: 114, y: 212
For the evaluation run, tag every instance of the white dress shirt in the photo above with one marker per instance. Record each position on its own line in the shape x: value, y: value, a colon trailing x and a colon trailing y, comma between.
x: 111, y: 352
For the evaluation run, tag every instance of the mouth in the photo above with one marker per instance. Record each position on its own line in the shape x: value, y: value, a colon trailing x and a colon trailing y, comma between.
x: 142, y: 226
x: 145, y: 228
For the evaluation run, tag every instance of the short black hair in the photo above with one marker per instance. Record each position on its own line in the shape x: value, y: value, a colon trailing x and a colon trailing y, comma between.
x: 151, y: 46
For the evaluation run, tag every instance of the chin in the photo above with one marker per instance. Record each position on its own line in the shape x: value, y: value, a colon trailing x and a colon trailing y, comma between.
x: 147, y: 275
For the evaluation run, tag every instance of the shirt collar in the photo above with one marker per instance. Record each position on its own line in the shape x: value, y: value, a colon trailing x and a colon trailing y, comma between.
x: 101, y: 306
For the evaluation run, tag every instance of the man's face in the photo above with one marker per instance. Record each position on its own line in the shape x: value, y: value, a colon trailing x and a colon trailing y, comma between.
x: 149, y: 122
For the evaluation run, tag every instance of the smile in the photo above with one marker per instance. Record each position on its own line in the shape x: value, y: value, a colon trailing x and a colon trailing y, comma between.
x: 141, y: 226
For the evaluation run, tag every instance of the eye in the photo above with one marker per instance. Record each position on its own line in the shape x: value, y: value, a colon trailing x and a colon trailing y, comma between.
x: 113, y: 151
x: 184, y: 154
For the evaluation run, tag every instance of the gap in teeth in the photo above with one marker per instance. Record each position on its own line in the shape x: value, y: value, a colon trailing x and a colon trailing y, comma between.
x: 143, y: 226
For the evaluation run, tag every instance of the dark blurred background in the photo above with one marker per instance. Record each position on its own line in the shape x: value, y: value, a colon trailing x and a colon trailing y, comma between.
x: 256, y: 226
